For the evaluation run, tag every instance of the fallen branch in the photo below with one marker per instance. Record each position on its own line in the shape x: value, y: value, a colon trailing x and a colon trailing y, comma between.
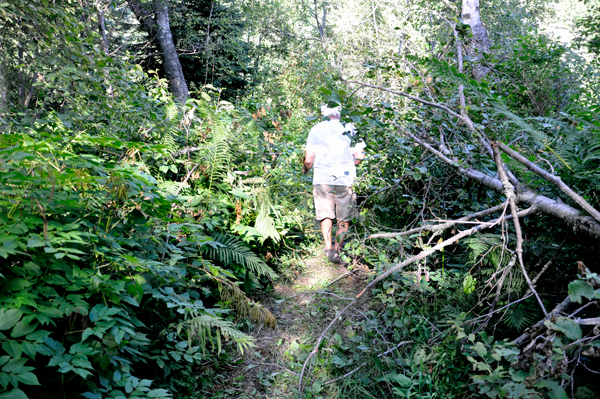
x: 551, y: 178
x: 383, y: 276
x: 510, y: 195
x: 439, y: 227
x: 523, y: 195
x: 186, y: 150
x: 589, y: 322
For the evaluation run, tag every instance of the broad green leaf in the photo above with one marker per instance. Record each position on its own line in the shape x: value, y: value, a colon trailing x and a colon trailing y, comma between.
x: 469, y: 284
x: 480, y: 349
x: 29, y: 348
x: 14, y: 394
x: 403, y: 380
x: 16, y: 366
x: 13, y: 348
x: 567, y: 326
x: 9, y: 318
x: 28, y: 378
x: 23, y: 328
x: 17, y: 284
x: 137, y: 291
x: 554, y: 389
x: 579, y: 289
x: 158, y: 393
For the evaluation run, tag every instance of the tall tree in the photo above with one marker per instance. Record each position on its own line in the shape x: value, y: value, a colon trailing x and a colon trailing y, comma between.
x: 480, y: 42
x: 155, y: 20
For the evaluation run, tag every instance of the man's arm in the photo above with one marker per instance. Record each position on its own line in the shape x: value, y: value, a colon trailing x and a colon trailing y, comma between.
x: 359, y: 155
x: 309, y: 160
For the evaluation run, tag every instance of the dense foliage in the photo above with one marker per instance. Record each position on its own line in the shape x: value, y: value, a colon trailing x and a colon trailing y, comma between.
x: 134, y: 229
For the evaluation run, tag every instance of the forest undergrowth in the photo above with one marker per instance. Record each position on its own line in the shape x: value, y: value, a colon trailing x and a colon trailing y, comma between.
x: 156, y: 229
x: 303, y: 306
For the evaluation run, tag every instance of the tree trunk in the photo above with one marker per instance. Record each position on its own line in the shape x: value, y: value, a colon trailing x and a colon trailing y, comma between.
x: 102, y: 31
x: 480, y: 42
x: 3, y: 89
x: 159, y: 30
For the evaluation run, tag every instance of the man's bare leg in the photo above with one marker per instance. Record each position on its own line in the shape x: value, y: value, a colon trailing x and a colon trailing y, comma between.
x: 326, y: 226
x: 342, y: 228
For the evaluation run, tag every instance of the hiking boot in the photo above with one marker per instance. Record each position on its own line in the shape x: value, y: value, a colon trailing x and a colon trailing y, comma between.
x: 334, y: 256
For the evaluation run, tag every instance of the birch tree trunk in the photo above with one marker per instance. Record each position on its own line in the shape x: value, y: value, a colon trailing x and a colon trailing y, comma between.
x: 480, y: 42
x: 3, y: 89
x: 159, y: 30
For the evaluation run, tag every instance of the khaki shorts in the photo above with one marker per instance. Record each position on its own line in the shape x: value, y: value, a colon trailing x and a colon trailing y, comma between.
x: 334, y: 202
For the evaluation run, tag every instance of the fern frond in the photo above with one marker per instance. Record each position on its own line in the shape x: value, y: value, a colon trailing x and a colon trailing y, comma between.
x: 169, y: 141
x: 264, y: 223
x: 481, y: 244
x: 172, y: 186
x: 171, y: 110
x: 218, y: 154
x: 520, y: 317
x: 235, y: 251
x: 200, y: 327
x: 246, y: 307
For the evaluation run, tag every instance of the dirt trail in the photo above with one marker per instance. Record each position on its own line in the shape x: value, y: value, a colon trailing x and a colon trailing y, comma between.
x: 303, y: 309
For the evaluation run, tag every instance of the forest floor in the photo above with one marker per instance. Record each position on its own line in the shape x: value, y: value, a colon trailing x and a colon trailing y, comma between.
x: 303, y: 308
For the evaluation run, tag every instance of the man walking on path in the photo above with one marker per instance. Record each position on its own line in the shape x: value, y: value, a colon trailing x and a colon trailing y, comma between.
x: 330, y: 154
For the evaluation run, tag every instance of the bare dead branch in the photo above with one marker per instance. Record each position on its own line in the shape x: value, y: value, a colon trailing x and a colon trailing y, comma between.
x: 439, y: 227
x: 510, y: 195
x: 589, y: 322
x: 185, y: 151
x: 552, y: 179
x: 547, y: 205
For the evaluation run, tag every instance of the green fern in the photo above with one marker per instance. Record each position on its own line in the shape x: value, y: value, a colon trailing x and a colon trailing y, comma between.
x: 482, y: 244
x: 172, y: 187
x: 520, y: 316
x: 201, y: 327
x: 217, y: 155
x: 264, y: 223
x: 231, y: 251
x: 169, y: 140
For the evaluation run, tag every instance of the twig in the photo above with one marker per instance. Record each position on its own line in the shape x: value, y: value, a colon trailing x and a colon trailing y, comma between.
x: 438, y: 227
x: 553, y: 179
x: 583, y: 307
x: 498, y: 310
x: 374, y: 326
x: 510, y: 195
x: 273, y: 364
x: 339, y: 278
x: 320, y: 292
x: 186, y: 150
x: 417, y: 99
x: 186, y: 179
x: 507, y: 270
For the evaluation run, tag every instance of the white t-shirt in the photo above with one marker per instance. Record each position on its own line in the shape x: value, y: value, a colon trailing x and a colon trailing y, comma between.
x: 334, y: 161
